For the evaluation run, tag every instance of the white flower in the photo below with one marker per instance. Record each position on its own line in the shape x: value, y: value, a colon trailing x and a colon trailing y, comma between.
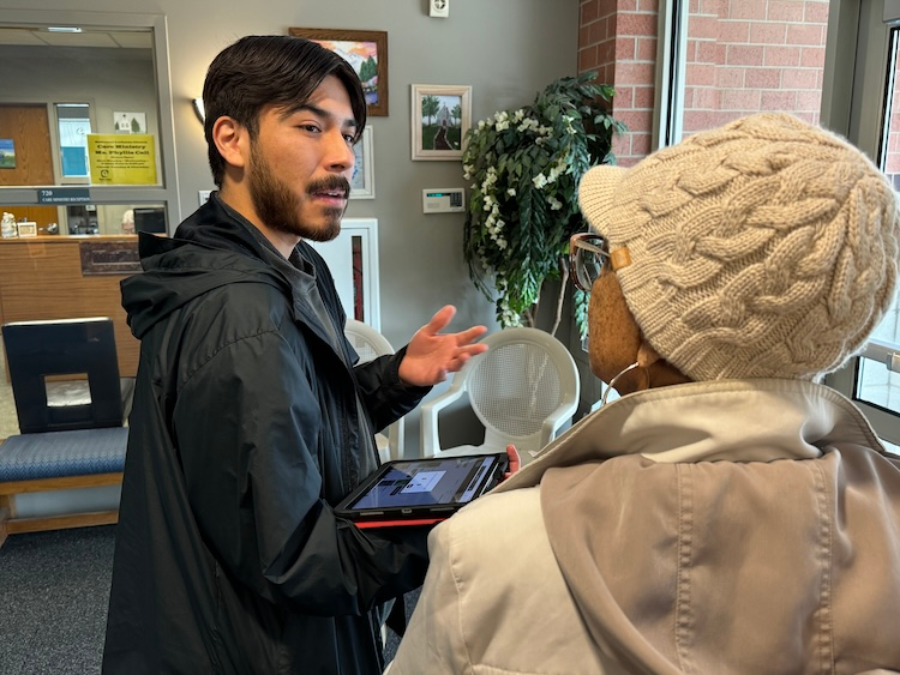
x: 511, y: 192
x: 555, y: 204
x: 518, y: 115
x: 539, y: 181
x: 502, y: 126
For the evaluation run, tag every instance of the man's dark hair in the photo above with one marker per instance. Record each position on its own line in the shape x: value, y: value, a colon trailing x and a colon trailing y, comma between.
x: 280, y: 70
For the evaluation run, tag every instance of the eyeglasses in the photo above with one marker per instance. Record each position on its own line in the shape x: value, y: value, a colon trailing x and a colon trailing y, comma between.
x: 588, y: 254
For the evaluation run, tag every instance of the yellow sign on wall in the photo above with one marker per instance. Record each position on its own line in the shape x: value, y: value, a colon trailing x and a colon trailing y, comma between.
x: 122, y: 159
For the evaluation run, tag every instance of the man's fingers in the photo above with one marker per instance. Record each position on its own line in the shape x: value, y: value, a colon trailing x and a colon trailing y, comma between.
x: 440, y: 320
x: 473, y: 350
x: 470, y: 335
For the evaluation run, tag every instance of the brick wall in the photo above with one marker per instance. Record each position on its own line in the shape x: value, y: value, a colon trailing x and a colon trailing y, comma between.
x: 742, y: 57
x: 617, y: 39
x: 892, y: 160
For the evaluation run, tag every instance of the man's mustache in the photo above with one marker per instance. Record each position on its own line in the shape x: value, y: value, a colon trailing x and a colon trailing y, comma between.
x: 330, y: 184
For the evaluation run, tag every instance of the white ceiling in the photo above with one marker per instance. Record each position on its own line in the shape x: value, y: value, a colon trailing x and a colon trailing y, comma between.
x: 39, y: 36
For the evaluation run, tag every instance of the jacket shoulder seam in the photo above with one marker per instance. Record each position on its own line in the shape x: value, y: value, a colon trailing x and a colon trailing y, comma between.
x: 223, y: 347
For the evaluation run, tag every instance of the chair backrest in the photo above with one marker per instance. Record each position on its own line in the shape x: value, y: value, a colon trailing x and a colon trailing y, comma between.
x: 369, y: 343
x: 38, y: 350
x: 526, y: 379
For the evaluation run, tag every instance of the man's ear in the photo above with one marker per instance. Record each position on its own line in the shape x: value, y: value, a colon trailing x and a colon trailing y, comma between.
x: 232, y: 141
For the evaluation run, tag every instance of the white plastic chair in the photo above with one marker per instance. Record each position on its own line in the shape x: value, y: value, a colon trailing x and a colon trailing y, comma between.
x: 523, y: 390
x: 369, y: 343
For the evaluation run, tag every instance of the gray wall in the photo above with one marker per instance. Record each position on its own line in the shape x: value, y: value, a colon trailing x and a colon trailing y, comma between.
x: 506, y: 50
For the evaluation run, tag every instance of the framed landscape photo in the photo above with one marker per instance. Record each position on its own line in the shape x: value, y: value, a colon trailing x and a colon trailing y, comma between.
x: 366, y: 51
x: 441, y: 116
x: 362, y: 184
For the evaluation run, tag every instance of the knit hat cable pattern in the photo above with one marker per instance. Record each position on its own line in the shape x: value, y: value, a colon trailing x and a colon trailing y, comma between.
x: 765, y: 248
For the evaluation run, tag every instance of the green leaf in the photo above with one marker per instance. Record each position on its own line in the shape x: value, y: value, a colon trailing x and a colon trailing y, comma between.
x: 536, y: 236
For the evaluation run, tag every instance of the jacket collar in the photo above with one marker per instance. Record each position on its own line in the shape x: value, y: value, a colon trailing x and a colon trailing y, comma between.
x: 178, y: 269
x: 734, y: 420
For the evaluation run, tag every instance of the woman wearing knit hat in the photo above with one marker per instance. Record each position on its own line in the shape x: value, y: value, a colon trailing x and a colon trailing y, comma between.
x: 728, y: 514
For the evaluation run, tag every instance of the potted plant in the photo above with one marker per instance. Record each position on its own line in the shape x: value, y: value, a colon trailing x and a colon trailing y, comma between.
x: 525, y: 165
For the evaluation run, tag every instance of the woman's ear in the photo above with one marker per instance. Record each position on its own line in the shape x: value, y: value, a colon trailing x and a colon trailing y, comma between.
x: 647, y: 355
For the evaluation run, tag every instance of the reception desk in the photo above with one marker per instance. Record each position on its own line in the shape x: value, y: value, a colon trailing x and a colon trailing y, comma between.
x: 67, y: 277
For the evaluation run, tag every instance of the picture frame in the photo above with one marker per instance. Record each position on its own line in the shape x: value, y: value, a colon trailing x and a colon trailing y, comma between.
x: 7, y: 153
x: 366, y: 51
x: 27, y: 229
x: 441, y: 117
x: 362, y: 184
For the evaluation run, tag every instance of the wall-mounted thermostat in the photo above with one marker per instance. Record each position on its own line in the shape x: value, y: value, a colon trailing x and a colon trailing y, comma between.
x: 444, y: 200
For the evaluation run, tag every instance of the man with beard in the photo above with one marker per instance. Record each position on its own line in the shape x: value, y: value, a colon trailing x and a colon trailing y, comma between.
x: 250, y: 421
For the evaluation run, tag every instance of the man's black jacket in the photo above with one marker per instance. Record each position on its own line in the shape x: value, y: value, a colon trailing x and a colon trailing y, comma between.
x: 244, y: 434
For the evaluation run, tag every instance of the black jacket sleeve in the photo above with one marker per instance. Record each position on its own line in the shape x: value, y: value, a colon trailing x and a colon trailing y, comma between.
x: 382, y: 391
x: 248, y: 426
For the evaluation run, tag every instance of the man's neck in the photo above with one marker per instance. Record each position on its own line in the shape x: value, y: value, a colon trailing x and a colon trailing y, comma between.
x: 283, y: 242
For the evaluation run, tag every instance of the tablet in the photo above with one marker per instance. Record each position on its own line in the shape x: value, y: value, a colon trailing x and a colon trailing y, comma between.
x: 421, y: 491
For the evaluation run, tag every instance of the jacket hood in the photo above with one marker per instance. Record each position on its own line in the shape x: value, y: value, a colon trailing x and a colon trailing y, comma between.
x: 211, y: 248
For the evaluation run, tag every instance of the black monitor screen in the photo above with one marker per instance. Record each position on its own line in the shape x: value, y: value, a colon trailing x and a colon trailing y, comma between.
x: 150, y: 220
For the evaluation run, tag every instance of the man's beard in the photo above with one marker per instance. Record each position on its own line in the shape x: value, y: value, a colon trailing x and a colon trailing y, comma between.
x: 279, y: 208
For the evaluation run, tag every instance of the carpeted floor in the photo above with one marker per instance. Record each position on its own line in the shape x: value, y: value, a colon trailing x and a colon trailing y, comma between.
x: 54, y: 591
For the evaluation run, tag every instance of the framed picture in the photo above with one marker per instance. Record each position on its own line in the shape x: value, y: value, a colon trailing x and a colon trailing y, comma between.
x: 366, y: 51
x: 362, y: 185
x: 7, y: 153
x: 441, y: 116
x: 27, y: 229
x: 130, y: 122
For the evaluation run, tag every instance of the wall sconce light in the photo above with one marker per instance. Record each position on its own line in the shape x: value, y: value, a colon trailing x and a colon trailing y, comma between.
x: 200, y: 110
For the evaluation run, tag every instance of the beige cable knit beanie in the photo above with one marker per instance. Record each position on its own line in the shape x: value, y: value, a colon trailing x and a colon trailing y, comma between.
x: 764, y: 248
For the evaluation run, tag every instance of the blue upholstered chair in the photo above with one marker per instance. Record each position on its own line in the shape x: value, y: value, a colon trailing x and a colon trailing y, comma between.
x: 69, y: 402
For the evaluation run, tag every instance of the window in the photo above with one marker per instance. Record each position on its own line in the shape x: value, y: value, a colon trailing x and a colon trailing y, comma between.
x: 873, y: 122
x: 731, y: 58
x: 74, y: 126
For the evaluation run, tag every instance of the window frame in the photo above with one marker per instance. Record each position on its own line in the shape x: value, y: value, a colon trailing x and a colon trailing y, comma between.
x: 166, y: 192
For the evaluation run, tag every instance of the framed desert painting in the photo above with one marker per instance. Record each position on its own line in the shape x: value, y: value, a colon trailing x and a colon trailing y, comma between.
x: 441, y: 116
x: 366, y: 51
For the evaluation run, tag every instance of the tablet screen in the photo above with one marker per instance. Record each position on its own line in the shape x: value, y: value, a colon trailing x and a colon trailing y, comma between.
x: 428, y: 482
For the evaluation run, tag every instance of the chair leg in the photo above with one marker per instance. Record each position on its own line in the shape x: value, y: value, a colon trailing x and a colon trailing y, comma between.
x: 7, y: 512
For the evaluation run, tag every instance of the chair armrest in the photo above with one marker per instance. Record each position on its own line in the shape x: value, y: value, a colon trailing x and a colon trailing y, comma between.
x: 555, y: 420
x: 428, y: 426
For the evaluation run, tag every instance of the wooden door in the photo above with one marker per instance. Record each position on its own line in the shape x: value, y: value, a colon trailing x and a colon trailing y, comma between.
x: 28, y: 127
